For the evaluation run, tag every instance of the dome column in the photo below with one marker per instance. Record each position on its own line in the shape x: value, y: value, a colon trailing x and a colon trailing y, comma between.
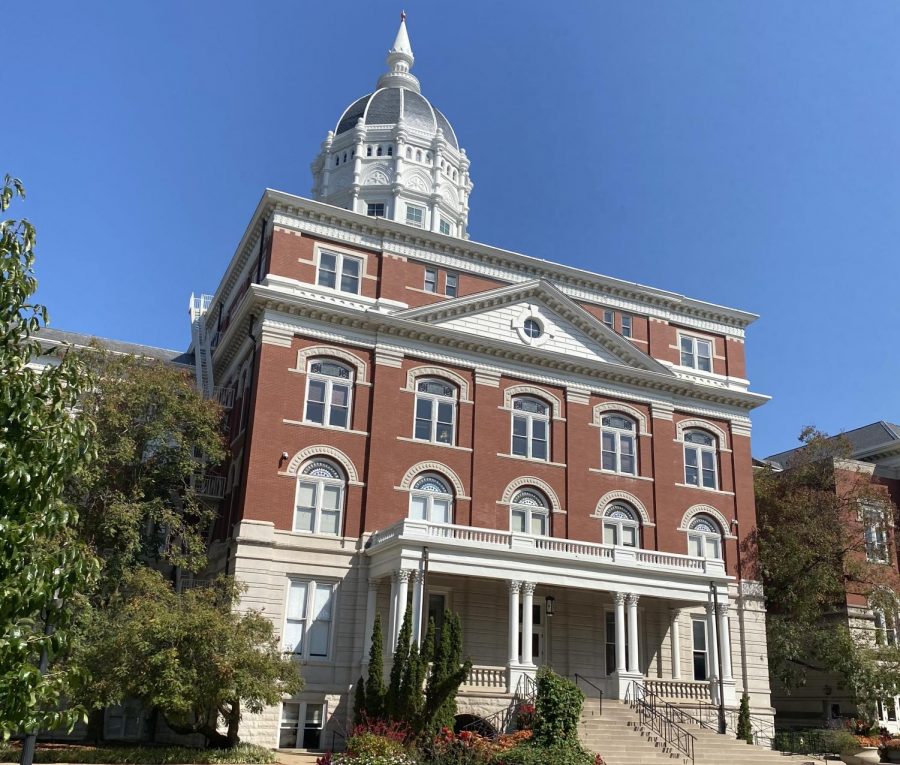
x: 326, y: 157
x: 396, y: 189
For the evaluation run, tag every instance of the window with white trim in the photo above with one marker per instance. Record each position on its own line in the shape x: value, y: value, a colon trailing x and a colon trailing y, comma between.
x: 301, y: 725
x: 329, y: 387
x: 885, y: 626
x: 875, y: 534
x: 320, y: 498
x: 626, y: 325
x: 620, y: 526
x: 430, y: 499
x: 617, y: 444
x: 415, y: 216
x: 609, y: 319
x: 445, y: 227
x: 375, y: 209
x: 531, y: 428
x: 529, y: 513
x: 705, y: 538
x: 700, y: 459
x: 451, y: 285
x: 696, y: 353
x: 339, y: 271
x: 431, y: 280
x: 309, y: 619
x: 435, y: 415
x: 700, y: 649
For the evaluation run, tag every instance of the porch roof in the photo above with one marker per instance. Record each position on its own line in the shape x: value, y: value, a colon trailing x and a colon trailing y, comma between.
x: 493, y: 554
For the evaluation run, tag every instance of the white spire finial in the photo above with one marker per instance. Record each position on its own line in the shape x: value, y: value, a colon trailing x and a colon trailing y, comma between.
x: 400, y: 60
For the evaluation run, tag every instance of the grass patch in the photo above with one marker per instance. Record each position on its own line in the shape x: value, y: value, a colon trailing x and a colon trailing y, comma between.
x: 141, y: 755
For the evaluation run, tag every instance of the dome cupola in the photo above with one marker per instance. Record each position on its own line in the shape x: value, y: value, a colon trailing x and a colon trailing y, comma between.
x: 392, y: 154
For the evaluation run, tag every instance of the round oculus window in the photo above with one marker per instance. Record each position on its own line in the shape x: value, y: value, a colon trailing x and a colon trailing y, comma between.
x: 532, y: 328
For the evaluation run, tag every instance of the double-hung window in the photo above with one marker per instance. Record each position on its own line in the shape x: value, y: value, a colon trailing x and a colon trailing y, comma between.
x: 700, y: 649
x: 618, y: 444
x: 320, y: 499
x: 435, y: 411
x: 415, y: 216
x: 696, y: 353
x: 609, y: 319
x: 620, y: 526
x: 704, y: 538
x: 451, y: 285
x: 531, y: 428
x: 309, y: 620
x: 328, y: 390
x: 430, y: 500
x: 445, y: 227
x: 431, y: 280
x: 700, y: 459
x: 529, y: 513
x: 885, y: 627
x: 626, y: 325
x: 339, y: 271
x: 375, y: 209
x: 876, y: 537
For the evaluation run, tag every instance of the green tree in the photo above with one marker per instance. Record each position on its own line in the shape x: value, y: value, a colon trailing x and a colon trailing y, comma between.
x: 190, y: 655
x: 359, y: 700
x: 744, y: 728
x: 411, y: 698
x: 448, y: 672
x: 557, y: 708
x: 43, y: 568
x: 393, y: 700
x: 375, y: 680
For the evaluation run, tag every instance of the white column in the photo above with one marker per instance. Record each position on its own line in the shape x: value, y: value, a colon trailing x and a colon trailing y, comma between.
x: 402, y: 596
x: 371, y: 605
x: 389, y: 633
x: 724, y: 648
x: 527, y: 623
x: 418, y: 581
x: 632, y: 601
x: 513, y: 655
x: 711, y: 652
x: 619, y: 600
x: 675, y: 644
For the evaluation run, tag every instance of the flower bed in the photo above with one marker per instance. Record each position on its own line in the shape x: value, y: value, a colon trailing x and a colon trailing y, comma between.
x: 140, y: 755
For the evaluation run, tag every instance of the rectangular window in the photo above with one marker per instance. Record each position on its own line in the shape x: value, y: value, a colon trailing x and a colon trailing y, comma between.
x: 415, y: 216
x: 430, y: 280
x: 626, y: 325
x: 339, y: 271
x: 610, y: 642
x: 451, y: 286
x: 293, y: 735
x: 445, y: 227
x: 308, y: 623
x: 696, y: 353
x: 876, y: 541
x: 609, y: 319
x: 701, y: 662
x: 376, y: 210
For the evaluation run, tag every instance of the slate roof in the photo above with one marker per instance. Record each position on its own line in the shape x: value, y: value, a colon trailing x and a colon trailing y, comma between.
x: 57, y: 336
x: 862, y: 440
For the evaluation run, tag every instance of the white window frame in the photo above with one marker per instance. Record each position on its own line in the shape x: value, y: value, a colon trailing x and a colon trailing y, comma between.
x: 875, y: 534
x: 609, y: 318
x: 299, y: 730
x: 320, y: 482
x: 627, y: 324
x: 538, y: 508
x: 885, y: 627
x: 695, y: 620
x: 329, y: 381
x: 616, y: 524
x: 529, y: 418
x: 429, y: 496
x: 445, y: 228
x: 435, y: 400
x: 431, y: 280
x: 618, y: 434
x: 689, y: 352
x: 454, y: 290
x: 698, y: 451
x: 412, y: 219
x: 705, y: 539
x: 340, y: 258
x: 307, y: 621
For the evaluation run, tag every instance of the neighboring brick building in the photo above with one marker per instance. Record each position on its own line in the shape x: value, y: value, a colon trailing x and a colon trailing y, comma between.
x: 408, y: 401
x: 870, y: 472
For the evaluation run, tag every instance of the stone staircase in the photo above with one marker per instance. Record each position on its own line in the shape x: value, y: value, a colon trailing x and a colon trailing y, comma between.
x: 615, y: 732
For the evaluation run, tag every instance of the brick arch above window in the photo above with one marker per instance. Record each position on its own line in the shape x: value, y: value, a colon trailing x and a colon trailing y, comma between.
x: 695, y: 510
x: 720, y: 434
x: 527, y: 481
x: 622, y: 496
x: 513, y: 391
x: 433, y: 467
x: 322, y: 450
x: 429, y: 371
x: 629, y: 411
x: 304, y: 355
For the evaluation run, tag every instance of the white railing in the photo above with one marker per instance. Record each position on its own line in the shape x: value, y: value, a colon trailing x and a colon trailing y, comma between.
x: 680, y: 690
x: 486, y: 679
x: 472, y: 536
x: 212, y: 486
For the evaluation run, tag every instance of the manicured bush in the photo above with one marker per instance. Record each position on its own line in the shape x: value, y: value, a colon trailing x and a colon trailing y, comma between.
x: 563, y: 752
x: 744, y: 729
x: 816, y: 742
x: 141, y: 755
x: 557, y: 708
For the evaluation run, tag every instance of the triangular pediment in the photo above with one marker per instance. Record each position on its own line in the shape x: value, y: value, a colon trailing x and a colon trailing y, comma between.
x: 564, y: 327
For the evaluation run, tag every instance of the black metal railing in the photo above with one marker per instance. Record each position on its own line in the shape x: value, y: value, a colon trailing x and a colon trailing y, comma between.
x: 660, y: 718
x: 337, y: 734
x: 599, y: 696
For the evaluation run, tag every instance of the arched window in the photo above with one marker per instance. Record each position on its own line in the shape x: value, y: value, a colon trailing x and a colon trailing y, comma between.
x: 329, y: 386
x: 337, y: 159
x: 320, y: 498
x: 345, y: 156
x: 418, y: 156
x: 390, y: 151
x: 368, y: 151
x: 700, y: 459
x: 380, y: 151
x: 529, y: 512
x: 705, y: 538
x: 409, y: 152
x: 617, y: 441
x: 430, y: 499
x: 620, y: 526
x: 352, y: 153
x: 531, y: 428
x: 435, y: 411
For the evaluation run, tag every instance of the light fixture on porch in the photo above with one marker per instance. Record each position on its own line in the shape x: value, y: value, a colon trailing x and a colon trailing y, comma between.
x: 550, y: 600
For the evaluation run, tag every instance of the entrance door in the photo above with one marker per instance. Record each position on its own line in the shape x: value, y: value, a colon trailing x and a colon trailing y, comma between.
x: 537, y: 631
x: 887, y: 713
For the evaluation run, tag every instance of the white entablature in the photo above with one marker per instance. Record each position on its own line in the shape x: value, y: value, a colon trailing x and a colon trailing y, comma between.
x: 394, y: 155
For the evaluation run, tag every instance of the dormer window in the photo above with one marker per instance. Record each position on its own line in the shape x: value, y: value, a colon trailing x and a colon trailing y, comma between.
x: 375, y: 209
x: 415, y: 216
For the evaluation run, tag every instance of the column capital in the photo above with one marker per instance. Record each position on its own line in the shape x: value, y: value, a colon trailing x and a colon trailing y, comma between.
x: 631, y: 599
x: 402, y: 575
x: 710, y: 608
x: 619, y: 598
x: 527, y: 588
x: 722, y: 609
x: 514, y: 586
x: 675, y: 613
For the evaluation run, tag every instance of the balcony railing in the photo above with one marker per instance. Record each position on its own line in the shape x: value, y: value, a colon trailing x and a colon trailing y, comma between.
x: 209, y: 486
x: 470, y: 536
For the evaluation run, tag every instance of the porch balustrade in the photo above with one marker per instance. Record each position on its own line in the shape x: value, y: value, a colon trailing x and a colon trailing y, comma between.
x: 681, y: 690
x: 483, y: 678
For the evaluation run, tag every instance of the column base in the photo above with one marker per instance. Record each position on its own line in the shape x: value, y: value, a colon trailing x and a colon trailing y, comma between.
x: 620, y: 682
x: 728, y: 691
x: 515, y: 674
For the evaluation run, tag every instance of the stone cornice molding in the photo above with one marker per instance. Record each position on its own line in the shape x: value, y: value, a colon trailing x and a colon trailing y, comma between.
x: 433, y: 371
x: 530, y: 390
x: 526, y: 482
x: 684, y: 425
x: 304, y: 355
x: 618, y: 407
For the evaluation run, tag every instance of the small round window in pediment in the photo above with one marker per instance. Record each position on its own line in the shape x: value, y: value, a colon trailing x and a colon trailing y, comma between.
x: 532, y: 328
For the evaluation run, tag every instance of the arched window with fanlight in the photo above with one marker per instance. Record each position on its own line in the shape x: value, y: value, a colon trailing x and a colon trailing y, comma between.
x: 430, y: 499
x: 621, y: 526
x: 320, y: 498
x: 617, y: 444
x: 529, y: 513
x: 531, y: 428
x: 700, y: 459
x: 329, y: 388
x: 705, y: 538
x: 435, y: 417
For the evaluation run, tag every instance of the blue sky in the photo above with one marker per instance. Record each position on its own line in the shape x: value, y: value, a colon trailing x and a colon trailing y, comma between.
x: 745, y: 153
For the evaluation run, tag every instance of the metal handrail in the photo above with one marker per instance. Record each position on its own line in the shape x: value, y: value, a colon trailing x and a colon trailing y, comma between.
x: 593, y: 685
x: 339, y: 734
x: 648, y: 706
